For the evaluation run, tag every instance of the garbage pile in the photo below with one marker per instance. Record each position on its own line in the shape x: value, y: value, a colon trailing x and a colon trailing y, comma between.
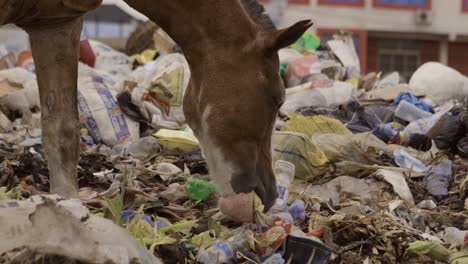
x: 369, y: 169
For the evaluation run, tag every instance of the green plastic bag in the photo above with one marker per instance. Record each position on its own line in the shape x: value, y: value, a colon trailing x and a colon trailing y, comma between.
x: 199, y: 190
x: 308, y: 41
x: 432, y: 249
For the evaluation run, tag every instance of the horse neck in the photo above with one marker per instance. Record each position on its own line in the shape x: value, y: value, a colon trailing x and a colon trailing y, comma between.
x: 202, y: 28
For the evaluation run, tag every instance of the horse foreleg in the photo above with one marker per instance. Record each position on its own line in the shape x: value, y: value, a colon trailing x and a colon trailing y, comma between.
x: 55, y: 52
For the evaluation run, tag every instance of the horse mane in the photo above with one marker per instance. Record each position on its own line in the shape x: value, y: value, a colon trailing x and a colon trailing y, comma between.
x: 257, y: 13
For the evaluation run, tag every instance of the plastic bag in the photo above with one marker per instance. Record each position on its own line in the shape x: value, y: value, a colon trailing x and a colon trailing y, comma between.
x: 364, y: 148
x: 18, y: 92
x: 313, y: 94
x: 411, y: 98
x: 309, y: 161
x: 446, y: 132
x: 7, y: 61
x: 301, y: 67
x: 100, y: 112
x: 306, y: 42
x: 27, y: 224
x: 399, y: 184
x: 439, y: 82
x: 310, y: 125
x: 110, y: 60
x: 159, y: 91
x: 376, y: 115
x: 173, y: 139
x: 343, y: 47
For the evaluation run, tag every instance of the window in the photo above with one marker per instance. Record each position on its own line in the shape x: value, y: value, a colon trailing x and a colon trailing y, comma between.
x: 360, y: 42
x: 402, y: 56
x: 403, y: 4
x: 353, y: 3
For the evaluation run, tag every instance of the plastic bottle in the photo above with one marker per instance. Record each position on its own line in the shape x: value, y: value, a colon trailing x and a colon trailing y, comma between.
x: 409, y: 112
x: 284, y: 172
x: 406, y: 160
x: 225, y: 251
x: 388, y: 130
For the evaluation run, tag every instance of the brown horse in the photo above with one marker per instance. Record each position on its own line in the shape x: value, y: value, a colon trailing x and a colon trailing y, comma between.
x: 232, y: 100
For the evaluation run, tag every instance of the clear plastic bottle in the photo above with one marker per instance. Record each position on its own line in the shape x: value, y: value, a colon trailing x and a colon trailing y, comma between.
x: 224, y: 252
x: 409, y: 112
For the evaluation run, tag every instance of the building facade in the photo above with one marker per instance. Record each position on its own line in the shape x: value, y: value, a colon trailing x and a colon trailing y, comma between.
x: 111, y: 23
x: 390, y: 35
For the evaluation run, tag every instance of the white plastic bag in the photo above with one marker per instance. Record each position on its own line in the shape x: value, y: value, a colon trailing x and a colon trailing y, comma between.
x: 439, y: 82
x: 160, y: 88
x: 18, y: 91
x: 307, y: 95
x: 50, y: 225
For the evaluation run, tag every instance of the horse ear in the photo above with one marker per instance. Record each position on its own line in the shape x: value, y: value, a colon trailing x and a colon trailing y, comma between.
x: 285, y: 37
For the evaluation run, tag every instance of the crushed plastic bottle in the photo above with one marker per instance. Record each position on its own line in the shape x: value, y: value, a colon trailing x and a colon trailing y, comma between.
x: 225, y: 251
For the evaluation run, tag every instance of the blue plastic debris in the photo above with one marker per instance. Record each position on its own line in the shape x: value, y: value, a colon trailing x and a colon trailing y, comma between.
x: 297, y: 210
x: 411, y: 98
x: 127, y: 217
x: 437, y: 181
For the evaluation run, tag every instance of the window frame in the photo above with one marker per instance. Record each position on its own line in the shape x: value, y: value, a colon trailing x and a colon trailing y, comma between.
x: 298, y: 2
x: 427, y: 6
x: 359, y: 4
x: 396, y: 52
x: 290, y: 2
x: 464, y: 4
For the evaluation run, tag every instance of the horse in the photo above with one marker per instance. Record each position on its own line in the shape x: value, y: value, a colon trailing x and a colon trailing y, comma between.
x: 232, y: 101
